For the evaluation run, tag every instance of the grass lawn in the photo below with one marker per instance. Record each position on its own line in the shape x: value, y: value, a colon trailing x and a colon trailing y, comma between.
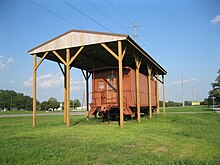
x: 15, y: 112
x: 174, y: 139
x: 188, y: 109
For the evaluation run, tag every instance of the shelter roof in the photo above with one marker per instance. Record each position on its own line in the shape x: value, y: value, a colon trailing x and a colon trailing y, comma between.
x: 93, y: 55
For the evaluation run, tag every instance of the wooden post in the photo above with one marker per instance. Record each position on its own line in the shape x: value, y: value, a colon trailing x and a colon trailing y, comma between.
x: 120, y: 66
x: 68, y: 87
x: 138, y: 63
x: 87, y: 94
x: 149, y: 91
x: 158, y: 102
x: 86, y: 76
x: 164, y: 107
x: 34, y: 90
x: 65, y: 94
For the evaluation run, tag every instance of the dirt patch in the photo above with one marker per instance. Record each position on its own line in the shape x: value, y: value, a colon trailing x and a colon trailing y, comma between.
x: 160, y: 150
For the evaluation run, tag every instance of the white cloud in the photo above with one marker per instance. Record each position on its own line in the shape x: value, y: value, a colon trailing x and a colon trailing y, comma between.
x: 184, y: 81
x: 46, y: 81
x: 5, y: 65
x: 77, y: 85
x: 12, y: 82
x: 2, y: 65
x: 10, y: 60
x: 215, y: 20
x: 29, y: 82
x: 49, y: 81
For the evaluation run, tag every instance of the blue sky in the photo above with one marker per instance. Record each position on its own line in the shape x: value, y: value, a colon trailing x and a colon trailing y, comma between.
x: 183, y: 36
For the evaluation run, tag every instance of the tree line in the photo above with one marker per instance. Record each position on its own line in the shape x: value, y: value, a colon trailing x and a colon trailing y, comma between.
x: 214, y: 94
x: 11, y: 100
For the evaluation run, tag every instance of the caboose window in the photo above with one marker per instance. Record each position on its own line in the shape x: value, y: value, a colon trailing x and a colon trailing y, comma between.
x: 111, y: 79
x: 100, y: 85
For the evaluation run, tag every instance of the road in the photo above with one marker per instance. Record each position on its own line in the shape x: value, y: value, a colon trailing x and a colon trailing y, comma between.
x: 216, y: 110
x: 46, y: 114
x: 84, y: 113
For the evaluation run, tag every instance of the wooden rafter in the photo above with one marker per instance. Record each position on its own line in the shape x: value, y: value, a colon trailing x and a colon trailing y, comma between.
x: 41, y: 60
x: 110, y: 51
x: 59, y: 57
x: 75, y: 55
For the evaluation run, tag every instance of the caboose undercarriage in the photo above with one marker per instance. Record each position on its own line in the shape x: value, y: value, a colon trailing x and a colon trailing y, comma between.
x: 112, y: 113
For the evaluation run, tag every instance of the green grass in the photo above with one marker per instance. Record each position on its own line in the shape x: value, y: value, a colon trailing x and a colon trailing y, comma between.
x: 15, y: 112
x: 188, y: 109
x: 174, y: 139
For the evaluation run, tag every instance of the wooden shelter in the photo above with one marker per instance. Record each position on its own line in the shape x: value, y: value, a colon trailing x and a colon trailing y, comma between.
x: 89, y: 50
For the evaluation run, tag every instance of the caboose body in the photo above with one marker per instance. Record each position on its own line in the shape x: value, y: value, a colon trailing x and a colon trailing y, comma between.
x: 105, y: 95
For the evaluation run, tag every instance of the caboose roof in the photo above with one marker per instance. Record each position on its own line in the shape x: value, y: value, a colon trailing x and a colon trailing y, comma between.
x: 93, y: 55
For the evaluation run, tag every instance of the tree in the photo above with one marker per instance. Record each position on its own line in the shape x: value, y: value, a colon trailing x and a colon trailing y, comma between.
x: 76, y: 103
x: 215, y: 92
x: 51, y: 103
x: 10, y: 100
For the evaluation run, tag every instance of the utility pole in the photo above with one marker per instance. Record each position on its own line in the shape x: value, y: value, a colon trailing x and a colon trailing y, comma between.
x: 213, y: 101
x: 135, y: 31
x: 182, y: 91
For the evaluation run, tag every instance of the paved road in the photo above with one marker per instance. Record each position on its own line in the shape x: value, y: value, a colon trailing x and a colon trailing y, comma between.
x: 216, y: 110
x: 84, y: 113
x: 46, y: 114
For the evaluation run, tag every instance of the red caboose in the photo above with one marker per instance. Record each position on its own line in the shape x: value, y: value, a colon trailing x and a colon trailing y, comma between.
x: 105, y: 95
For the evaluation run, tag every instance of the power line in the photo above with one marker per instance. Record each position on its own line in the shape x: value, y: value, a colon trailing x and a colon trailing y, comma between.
x: 135, y: 38
x: 46, y: 9
x: 105, y: 14
x: 158, y: 52
x: 135, y: 31
x: 75, y: 8
x: 119, y: 12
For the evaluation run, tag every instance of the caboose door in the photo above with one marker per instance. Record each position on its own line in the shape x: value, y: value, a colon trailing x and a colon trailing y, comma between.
x: 111, y: 88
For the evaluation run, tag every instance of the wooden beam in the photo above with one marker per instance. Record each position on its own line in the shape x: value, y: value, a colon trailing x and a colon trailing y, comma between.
x: 68, y: 87
x: 138, y: 64
x: 149, y: 91
x: 163, y: 93
x: 120, y: 66
x: 86, y: 76
x: 83, y: 74
x: 34, y: 91
x: 65, y: 94
x: 157, y: 96
x: 61, y: 68
x: 75, y: 55
x: 158, y: 79
x: 41, y: 60
x: 111, y: 52
x: 124, y: 51
x: 59, y: 57
x: 147, y: 56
